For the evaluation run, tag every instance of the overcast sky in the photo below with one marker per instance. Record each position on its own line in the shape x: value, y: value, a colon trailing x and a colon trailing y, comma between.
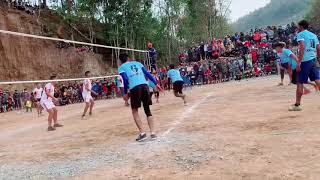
x: 240, y: 8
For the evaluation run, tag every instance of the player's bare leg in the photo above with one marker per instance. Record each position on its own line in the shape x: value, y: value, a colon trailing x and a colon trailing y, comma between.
x: 55, y: 118
x: 50, y: 119
x: 142, y: 136
x: 137, y: 119
x: 182, y: 96
x: 91, y: 107
x: 87, y: 105
x: 290, y: 75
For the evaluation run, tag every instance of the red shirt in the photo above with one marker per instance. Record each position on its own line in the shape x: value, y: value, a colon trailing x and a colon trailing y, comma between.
x: 247, y: 44
x: 257, y: 36
x: 254, y: 55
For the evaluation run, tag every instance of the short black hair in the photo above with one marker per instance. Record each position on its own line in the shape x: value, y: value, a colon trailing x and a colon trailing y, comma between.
x: 304, y: 24
x: 86, y: 73
x: 171, y: 66
x: 123, y: 57
x: 280, y: 44
x: 53, y: 76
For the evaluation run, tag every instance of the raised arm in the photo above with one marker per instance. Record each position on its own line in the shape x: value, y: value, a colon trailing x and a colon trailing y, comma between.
x: 148, y: 75
x: 125, y: 82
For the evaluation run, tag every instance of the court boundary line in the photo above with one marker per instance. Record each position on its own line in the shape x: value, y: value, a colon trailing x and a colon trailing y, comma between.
x: 186, y: 113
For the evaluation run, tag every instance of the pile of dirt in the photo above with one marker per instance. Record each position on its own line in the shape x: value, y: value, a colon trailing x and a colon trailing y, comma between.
x: 24, y: 58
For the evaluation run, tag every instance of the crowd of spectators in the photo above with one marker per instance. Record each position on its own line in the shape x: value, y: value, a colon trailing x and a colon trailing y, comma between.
x: 23, y: 6
x: 238, y: 56
x: 235, y: 57
x: 66, y: 93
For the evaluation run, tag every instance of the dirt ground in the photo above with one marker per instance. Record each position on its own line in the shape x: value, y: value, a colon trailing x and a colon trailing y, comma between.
x: 236, y: 130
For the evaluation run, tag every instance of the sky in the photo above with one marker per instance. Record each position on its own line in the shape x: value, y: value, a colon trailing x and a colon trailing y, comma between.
x: 241, y: 8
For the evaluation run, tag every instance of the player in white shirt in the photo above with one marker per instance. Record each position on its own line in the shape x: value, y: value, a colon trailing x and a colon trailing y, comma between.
x: 46, y: 102
x: 37, y: 92
x: 86, y: 94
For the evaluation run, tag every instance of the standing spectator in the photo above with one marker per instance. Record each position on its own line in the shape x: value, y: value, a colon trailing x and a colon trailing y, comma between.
x: 17, y: 100
x: 257, y: 37
x: 153, y: 56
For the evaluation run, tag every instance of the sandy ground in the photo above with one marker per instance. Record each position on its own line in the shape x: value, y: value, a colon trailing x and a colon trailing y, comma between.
x: 236, y: 130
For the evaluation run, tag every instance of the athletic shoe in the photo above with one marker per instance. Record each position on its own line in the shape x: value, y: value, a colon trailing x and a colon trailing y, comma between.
x: 153, y: 136
x: 50, y: 128
x: 280, y: 84
x: 84, y: 116
x: 57, y: 125
x: 295, y: 108
x: 142, y: 137
x: 90, y: 113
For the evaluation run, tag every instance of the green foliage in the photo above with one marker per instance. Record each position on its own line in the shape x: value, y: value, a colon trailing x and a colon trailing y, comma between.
x: 171, y: 25
x: 277, y: 12
x: 314, y: 14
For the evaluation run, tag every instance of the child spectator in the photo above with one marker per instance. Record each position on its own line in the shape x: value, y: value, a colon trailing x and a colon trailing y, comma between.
x: 28, y: 106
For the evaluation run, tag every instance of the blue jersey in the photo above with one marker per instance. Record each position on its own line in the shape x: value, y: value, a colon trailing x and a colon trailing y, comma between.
x: 311, y: 42
x: 285, y: 58
x: 174, y: 75
x: 133, y: 70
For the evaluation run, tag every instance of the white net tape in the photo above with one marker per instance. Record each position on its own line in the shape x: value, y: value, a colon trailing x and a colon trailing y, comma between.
x: 68, y: 41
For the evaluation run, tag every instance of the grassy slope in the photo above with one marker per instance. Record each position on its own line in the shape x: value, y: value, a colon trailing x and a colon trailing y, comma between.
x: 277, y: 12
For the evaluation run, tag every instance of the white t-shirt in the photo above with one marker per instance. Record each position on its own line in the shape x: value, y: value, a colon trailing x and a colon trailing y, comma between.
x: 48, y: 88
x: 205, y: 47
x: 121, y: 85
x: 86, y: 82
x: 37, y: 92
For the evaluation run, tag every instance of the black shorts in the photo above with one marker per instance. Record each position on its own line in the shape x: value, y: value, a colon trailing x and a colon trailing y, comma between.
x: 178, y: 86
x: 294, y: 76
x: 140, y: 94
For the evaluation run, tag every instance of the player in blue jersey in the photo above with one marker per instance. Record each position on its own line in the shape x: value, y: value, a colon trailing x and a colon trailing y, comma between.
x: 177, y: 82
x: 289, y: 62
x: 307, y: 66
x: 134, y: 77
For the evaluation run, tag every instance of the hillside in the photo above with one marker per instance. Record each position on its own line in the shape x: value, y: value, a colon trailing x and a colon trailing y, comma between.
x: 314, y: 14
x: 277, y: 12
x: 29, y: 59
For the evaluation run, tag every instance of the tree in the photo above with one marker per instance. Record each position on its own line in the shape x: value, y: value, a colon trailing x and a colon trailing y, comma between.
x: 314, y: 14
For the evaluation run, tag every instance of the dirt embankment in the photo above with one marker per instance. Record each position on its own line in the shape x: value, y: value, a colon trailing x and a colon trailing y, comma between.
x: 24, y: 58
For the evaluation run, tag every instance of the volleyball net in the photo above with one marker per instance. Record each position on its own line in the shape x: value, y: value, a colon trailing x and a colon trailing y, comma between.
x: 30, y: 59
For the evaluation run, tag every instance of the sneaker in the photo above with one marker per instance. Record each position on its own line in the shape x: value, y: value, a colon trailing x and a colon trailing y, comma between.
x: 50, y: 128
x: 84, y: 116
x: 153, y: 136
x: 280, y: 84
x: 142, y: 137
x: 57, y: 125
x: 295, y: 108
x: 90, y: 113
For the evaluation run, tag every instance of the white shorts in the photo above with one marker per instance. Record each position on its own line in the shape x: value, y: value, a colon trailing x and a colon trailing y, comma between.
x: 47, y: 105
x: 87, y: 98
